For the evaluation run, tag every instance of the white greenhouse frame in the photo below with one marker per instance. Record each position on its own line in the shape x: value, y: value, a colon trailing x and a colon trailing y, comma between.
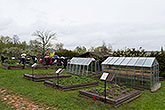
x: 83, y: 66
x: 137, y: 72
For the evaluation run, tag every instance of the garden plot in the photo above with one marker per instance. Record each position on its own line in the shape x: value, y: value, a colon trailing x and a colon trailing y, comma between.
x: 44, y: 76
x: 12, y: 66
x: 38, y: 67
x: 115, y: 95
x: 72, y: 83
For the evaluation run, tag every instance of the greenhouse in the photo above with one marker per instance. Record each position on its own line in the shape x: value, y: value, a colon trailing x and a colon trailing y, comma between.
x: 83, y: 66
x: 137, y: 72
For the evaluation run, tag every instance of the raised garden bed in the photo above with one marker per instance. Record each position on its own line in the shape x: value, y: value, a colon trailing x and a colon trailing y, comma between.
x: 115, y: 96
x: 44, y: 76
x: 12, y: 67
x: 71, y: 83
x: 53, y: 67
x: 38, y: 67
x: 43, y: 67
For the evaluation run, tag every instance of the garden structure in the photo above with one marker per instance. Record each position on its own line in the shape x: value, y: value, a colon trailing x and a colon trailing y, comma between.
x: 136, y: 72
x: 83, y: 66
x: 46, y: 76
x: 115, y: 94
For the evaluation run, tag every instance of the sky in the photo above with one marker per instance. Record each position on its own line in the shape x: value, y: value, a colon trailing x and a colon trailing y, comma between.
x: 120, y: 23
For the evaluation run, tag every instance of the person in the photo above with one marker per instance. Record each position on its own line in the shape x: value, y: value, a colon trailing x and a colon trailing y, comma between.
x: 35, y: 60
x: 2, y: 59
x: 23, y: 59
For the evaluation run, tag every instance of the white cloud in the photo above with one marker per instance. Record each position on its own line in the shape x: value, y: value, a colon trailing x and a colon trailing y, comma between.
x: 122, y: 23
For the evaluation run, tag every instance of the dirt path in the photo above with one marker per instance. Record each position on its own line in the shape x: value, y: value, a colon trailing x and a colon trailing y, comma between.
x: 19, y: 103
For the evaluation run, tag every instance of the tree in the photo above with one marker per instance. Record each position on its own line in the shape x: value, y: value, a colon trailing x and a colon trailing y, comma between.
x: 59, y: 46
x: 44, y: 38
x: 80, y: 49
x: 91, y: 49
x: 67, y: 53
x: 103, y: 48
x: 35, y: 47
x: 12, y: 52
x: 6, y: 39
x: 16, y: 39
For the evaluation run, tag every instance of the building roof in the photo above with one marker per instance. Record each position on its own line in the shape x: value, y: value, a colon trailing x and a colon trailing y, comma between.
x: 81, y: 61
x: 131, y: 61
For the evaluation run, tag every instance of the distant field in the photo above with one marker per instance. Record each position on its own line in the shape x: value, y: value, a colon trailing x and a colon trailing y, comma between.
x: 35, y: 91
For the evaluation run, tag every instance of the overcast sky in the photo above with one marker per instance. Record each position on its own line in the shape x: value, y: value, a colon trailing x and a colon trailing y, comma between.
x: 121, y: 23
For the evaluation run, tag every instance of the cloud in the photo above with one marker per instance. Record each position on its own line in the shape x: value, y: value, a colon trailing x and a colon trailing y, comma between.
x: 121, y: 23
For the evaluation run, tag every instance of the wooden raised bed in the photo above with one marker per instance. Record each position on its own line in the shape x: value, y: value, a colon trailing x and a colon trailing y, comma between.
x: 113, y: 102
x: 53, y: 67
x: 41, y: 67
x: 44, y: 76
x: 12, y: 67
x: 127, y: 72
x: 70, y: 87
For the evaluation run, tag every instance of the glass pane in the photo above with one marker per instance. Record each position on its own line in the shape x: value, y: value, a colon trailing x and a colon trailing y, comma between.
x: 133, y: 61
x: 149, y: 62
x: 81, y: 61
x: 126, y: 60
x: 113, y: 60
x: 107, y: 60
x: 140, y: 61
x: 118, y: 62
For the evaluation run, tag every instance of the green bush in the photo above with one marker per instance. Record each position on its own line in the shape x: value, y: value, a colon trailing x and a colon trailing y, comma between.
x: 110, y: 96
x: 162, y: 74
x: 124, y: 92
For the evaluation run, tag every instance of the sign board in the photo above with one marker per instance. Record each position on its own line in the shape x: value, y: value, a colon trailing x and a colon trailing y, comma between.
x: 34, y: 65
x: 58, y: 70
x: 104, y: 76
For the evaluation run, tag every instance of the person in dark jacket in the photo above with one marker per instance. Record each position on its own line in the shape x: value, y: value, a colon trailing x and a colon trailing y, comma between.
x: 2, y: 59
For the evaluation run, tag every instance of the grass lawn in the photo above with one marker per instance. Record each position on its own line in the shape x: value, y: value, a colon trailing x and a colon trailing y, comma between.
x: 35, y: 91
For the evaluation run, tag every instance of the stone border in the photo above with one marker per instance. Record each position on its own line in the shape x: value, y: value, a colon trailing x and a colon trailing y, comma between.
x: 112, y: 102
x: 70, y: 87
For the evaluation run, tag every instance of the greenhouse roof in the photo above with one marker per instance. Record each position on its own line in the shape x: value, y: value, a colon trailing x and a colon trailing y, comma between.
x: 131, y: 61
x: 81, y: 61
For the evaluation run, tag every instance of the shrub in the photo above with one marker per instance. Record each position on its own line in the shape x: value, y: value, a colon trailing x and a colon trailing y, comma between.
x: 117, y: 93
x: 162, y: 74
x: 124, y: 92
x: 123, y: 87
x: 110, y: 96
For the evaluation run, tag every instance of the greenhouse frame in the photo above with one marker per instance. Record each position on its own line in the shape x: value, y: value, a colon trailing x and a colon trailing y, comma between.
x: 83, y: 66
x: 137, y: 72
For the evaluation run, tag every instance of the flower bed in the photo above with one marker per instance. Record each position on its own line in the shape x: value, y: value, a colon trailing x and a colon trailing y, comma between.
x: 44, y: 76
x: 72, y: 83
x: 115, y: 96
x: 12, y: 67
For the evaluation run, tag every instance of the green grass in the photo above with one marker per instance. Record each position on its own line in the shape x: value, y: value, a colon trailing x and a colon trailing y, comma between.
x: 4, y: 106
x: 36, y: 91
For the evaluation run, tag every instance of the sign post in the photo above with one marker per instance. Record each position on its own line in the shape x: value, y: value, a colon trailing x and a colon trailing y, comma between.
x: 104, y: 77
x: 34, y: 65
x: 58, y: 72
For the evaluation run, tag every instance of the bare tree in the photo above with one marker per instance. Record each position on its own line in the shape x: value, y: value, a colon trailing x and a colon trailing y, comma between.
x: 45, y: 38
x: 16, y: 39
x: 59, y: 46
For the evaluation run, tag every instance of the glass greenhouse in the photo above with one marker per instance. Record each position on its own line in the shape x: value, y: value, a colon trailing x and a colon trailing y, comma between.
x: 137, y: 72
x: 83, y: 66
